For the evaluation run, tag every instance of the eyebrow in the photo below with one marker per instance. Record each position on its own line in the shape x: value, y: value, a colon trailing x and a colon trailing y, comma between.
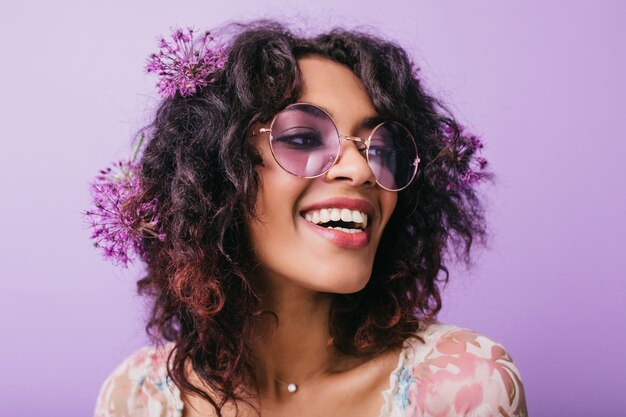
x: 372, y: 121
x: 368, y: 122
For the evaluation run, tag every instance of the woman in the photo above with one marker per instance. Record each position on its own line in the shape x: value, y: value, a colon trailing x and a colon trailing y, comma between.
x: 296, y: 202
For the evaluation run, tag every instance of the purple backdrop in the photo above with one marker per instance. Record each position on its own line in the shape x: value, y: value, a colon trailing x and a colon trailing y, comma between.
x: 542, y: 82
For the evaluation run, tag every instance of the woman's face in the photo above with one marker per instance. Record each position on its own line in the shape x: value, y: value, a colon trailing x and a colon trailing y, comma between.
x: 290, y: 248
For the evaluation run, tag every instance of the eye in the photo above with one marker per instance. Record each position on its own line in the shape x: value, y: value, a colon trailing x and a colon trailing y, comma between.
x: 381, y: 150
x: 300, y: 140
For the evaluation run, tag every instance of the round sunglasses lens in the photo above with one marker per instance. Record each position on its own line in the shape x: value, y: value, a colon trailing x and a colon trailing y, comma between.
x: 304, y: 141
x: 392, y: 155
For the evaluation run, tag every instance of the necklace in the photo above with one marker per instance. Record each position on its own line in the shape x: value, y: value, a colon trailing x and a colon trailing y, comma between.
x: 292, y: 387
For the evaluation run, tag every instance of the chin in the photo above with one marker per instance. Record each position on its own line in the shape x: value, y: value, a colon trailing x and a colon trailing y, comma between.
x: 340, y: 283
x: 352, y: 289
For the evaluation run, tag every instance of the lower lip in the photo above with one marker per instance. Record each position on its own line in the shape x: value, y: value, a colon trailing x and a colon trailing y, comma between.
x: 345, y: 240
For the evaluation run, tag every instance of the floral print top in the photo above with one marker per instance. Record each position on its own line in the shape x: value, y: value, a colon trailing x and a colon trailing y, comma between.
x: 456, y: 372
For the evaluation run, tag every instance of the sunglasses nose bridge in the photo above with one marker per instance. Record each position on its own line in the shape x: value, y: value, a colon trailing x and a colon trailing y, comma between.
x: 357, y: 140
x: 360, y: 143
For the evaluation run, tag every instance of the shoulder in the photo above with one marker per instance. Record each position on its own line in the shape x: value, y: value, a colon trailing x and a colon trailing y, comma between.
x: 139, y: 387
x: 460, y: 372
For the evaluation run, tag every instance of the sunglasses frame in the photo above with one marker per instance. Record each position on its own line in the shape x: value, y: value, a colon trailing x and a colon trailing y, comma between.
x: 341, y: 138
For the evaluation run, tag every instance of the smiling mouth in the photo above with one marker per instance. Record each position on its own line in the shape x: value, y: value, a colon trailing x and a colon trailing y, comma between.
x: 346, y: 220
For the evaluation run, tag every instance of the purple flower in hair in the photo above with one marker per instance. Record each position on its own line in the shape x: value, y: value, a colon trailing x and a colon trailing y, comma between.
x: 118, y: 229
x: 482, y: 162
x: 474, y: 142
x: 185, y: 63
x: 470, y: 177
x: 464, y: 164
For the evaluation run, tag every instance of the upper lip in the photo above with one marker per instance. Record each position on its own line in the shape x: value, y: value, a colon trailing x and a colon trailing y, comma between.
x: 343, y: 202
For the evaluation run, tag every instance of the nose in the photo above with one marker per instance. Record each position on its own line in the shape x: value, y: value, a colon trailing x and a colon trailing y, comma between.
x: 351, y: 165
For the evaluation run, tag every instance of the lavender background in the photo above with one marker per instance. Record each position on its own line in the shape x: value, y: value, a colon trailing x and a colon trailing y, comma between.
x: 542, y: 82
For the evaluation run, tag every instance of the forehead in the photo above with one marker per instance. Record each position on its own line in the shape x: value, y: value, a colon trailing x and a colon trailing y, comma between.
x: 336, y: 89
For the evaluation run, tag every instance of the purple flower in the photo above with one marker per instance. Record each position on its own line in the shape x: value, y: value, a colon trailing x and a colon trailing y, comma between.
x: 117, y: 228
x: 465, y: 167
x: 470, y: 177
x: 186, y: 64
x: 474, y: 142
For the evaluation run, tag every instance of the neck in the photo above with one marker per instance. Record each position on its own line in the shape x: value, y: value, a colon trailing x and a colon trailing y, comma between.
x: 298, y: 348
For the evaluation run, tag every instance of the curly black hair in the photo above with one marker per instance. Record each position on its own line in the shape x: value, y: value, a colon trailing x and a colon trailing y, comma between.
x: 199, y: 165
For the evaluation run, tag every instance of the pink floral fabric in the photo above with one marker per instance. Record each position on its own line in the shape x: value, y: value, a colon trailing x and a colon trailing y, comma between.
x: 466, y: 374
x: 457, y: 372
x: 140, y: 387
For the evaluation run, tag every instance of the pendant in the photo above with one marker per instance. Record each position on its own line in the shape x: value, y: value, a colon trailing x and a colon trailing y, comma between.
x: 292, y: 388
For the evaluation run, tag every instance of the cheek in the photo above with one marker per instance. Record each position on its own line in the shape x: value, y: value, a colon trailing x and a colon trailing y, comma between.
x: 278, y: 190
x: 388, y: 201
x: 276, y: 200
x: 277, y: 196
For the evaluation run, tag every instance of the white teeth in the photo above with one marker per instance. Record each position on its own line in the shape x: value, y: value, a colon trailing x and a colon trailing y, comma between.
x: 343, y: 229
x: 346, y: 215
x: 326, y: 215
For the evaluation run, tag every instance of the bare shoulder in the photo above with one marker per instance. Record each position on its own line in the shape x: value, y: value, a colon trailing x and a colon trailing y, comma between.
x: 465, y: 373
x: 139, y: 386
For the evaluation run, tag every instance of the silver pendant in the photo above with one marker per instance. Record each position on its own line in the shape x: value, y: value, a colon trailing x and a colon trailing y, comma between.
x: 292, y: 388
